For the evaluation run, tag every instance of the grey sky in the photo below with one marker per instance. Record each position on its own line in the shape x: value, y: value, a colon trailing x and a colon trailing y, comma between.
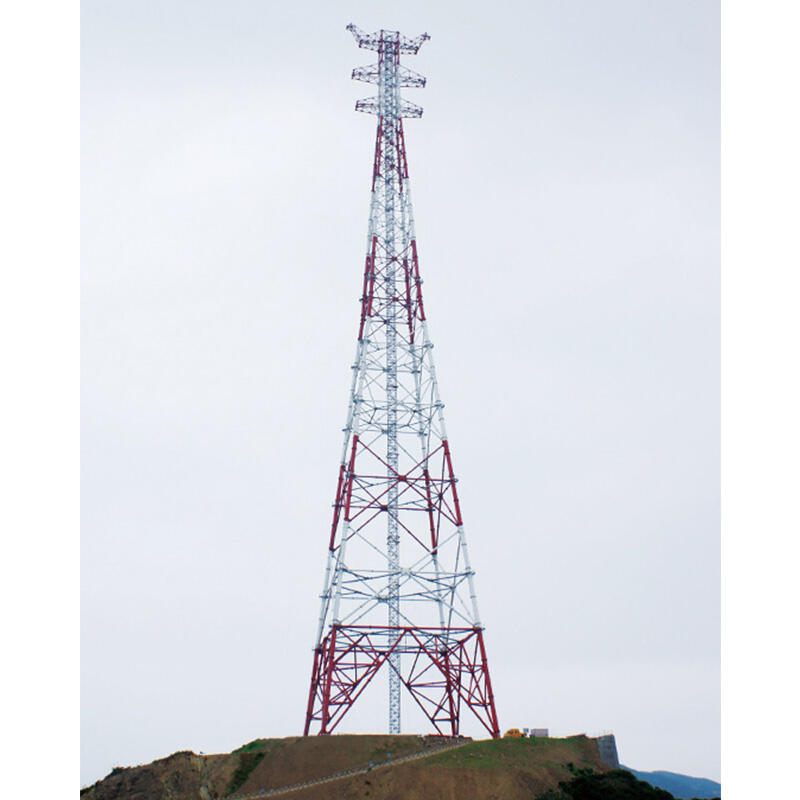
x: 566, y: 197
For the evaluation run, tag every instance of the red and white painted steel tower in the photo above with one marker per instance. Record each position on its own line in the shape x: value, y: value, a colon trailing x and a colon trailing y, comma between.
x: 399, y: 588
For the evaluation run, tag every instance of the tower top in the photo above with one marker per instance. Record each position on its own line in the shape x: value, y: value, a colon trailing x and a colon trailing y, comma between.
x: 388, y: 73
x: 380, y: 39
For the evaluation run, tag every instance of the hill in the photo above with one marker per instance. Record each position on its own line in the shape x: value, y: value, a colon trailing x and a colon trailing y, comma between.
x: 382, y: 766
x: 682, y: 787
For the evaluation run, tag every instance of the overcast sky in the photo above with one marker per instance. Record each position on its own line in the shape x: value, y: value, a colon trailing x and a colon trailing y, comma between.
x: 566, y: 177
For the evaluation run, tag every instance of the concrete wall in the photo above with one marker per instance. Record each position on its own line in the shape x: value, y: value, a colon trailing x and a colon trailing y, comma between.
x: 607, y: 745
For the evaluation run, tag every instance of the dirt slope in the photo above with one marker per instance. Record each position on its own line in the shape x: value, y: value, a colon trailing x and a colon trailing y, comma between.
x: 511, y: 769
x: 298, y: 759
x: 177, y: 777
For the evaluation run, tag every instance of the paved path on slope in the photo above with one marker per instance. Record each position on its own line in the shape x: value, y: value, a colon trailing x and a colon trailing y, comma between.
x: 431, y: 751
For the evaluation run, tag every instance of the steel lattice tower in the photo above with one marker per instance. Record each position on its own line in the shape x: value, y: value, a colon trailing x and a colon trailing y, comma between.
x: 413, y: 608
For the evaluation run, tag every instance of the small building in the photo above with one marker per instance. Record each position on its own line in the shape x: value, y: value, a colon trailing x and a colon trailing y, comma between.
x: 539, y: 733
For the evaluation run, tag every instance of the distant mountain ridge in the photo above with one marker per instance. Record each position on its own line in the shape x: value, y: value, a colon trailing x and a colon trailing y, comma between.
x: 681, y: 787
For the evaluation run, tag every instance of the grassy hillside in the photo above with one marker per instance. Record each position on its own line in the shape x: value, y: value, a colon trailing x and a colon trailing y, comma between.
x: 500, y: 769
x: 263, y: 763
x: 511, y: 769
x: 501, y: 754
x: 298, y: 759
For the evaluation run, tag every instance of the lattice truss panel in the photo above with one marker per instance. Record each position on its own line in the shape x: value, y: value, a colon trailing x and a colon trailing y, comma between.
x: 412, y: 607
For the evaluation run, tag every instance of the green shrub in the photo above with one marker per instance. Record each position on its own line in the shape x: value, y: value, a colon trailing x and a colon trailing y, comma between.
x: 248, y: 761
x: 619, y: 784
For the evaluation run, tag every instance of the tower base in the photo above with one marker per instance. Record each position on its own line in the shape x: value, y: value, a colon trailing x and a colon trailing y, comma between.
x: 445, y: 670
